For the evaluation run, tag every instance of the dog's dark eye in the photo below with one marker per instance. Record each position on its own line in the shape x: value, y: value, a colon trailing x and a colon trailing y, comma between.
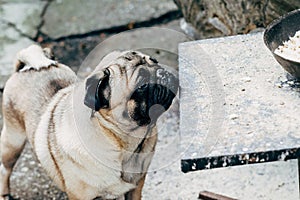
x: 153, y: 60
x: 128, y: 58
x: 103, y: 91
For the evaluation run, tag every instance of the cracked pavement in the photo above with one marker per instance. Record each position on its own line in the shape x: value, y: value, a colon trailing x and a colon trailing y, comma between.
x: 62, y: 25
x: 24, y: 23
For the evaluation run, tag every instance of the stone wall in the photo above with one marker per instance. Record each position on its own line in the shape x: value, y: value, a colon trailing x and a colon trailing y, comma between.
x: 230, y: 17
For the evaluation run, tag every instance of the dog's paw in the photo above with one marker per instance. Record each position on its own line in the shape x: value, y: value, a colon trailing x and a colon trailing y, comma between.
x: 34, y: 58
x: 7, y: 197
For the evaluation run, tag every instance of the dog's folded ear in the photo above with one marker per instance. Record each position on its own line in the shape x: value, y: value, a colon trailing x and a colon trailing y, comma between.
x: 97, y: 90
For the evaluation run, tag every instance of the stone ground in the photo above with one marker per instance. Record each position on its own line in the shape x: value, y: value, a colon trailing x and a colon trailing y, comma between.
x: 73, y: 28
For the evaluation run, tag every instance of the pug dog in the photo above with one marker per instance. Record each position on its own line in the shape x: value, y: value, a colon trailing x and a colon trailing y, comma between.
x: 95, y: 138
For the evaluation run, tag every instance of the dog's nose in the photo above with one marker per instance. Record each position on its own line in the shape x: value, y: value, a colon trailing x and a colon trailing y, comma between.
x: 166, y: 78
x: 160, y: 73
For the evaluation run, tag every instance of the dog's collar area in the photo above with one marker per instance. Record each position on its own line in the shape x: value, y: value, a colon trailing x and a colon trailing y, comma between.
x: 140, y: 146
x: 96, y: 115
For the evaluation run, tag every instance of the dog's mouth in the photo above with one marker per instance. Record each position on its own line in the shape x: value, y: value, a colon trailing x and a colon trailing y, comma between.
x: 151, y: 99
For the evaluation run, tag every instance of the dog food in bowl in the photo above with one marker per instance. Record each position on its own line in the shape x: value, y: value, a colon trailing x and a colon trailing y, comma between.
x: 290, y: 49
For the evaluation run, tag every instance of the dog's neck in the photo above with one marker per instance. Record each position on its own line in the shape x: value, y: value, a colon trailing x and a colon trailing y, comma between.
x: 132, y: 141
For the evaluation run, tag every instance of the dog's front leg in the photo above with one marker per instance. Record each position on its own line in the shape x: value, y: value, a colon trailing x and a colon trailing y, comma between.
x: 136, y: 194
x: 12, y: 144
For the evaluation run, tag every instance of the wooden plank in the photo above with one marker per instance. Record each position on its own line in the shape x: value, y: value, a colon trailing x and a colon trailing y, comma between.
x: 205, y: 195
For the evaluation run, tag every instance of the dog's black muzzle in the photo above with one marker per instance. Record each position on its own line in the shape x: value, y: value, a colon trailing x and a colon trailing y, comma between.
x: 154, y: 95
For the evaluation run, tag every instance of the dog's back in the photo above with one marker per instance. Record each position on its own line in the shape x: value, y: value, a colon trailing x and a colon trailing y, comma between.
x: 37, y: 78
x: 27, y: 94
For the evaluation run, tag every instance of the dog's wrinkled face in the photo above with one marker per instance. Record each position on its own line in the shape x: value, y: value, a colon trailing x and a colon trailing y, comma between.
x: 133, y: 89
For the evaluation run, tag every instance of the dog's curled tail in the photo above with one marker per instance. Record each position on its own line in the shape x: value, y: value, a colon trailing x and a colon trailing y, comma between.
x: 34, y: 58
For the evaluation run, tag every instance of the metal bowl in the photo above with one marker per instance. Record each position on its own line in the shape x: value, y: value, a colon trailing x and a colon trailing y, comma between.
x: 279, y: 31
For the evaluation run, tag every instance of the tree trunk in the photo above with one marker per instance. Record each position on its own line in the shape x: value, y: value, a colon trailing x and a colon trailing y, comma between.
x: 213, y: 18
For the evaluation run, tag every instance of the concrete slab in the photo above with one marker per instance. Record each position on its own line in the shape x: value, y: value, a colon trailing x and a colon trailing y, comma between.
x: 69, y: 17
x: 259, y: 112
x: 260, y: 109
x: 25, y: 16
x: 271, y: 181
x: 11, y: 42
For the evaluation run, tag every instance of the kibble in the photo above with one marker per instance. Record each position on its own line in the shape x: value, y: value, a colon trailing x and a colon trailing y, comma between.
x: 290, y: 49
